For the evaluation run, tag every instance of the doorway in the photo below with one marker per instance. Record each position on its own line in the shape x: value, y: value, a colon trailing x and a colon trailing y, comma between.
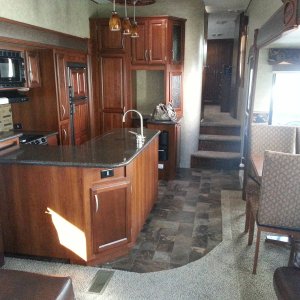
x: 218, y: 72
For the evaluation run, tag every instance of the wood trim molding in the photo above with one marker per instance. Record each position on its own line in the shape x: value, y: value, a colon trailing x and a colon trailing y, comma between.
x: 16, y: 32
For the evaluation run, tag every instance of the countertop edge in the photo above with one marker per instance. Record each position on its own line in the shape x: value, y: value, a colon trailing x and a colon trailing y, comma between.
x: 77, y: 164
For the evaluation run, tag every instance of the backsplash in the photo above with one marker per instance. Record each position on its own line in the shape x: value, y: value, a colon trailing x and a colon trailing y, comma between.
x: 6, y: 122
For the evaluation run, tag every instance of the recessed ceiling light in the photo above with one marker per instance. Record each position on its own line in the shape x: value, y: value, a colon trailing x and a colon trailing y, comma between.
x: 217, y: 34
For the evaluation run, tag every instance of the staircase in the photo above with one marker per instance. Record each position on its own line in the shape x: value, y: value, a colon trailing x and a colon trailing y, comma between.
x: 219, y: 143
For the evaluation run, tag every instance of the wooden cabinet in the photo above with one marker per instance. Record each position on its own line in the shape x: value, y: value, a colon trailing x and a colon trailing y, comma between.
x: 75, y: 213
x: 151, y: 45
x: 110, y: 206
x: 81, y: 122
x: 33, y: 69
x: 109, y: 41
x: 78, y: 79
x: 116, y: 61
x: 113, y: 91
x: 63, y: 97
x: 111, y: 76
x: 65, y: 132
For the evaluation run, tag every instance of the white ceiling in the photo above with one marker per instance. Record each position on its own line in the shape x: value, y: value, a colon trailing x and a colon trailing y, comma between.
x: 222, y: 17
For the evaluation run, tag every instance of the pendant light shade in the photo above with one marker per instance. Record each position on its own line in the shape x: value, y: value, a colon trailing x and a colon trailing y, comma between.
x: 134, y: 28
x: 114, y: 21
x: 126, y: 25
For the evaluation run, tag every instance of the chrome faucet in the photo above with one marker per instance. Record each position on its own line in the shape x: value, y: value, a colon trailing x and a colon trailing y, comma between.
x: 140, y: 138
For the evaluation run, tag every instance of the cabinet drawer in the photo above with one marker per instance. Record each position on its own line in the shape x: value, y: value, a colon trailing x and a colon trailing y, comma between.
x: 106, y: 174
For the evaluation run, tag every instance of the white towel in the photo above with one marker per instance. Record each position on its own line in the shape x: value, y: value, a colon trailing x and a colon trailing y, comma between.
x: 4, y: 100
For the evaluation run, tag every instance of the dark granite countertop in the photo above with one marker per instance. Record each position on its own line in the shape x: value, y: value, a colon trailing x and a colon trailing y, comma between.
x: 114, y: 149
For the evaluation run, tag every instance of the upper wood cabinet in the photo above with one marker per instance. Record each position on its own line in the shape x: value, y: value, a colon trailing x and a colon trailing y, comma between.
x: 107, y: 41
x: 151, y: 45
x: 33, y: 69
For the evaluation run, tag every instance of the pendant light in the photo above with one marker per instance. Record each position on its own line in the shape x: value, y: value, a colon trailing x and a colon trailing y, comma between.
x: 134, y: 29
x: 114, y: 21
x: 126, y: 25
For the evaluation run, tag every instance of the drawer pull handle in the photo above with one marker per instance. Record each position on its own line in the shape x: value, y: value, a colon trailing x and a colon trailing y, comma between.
x: 97, y: 203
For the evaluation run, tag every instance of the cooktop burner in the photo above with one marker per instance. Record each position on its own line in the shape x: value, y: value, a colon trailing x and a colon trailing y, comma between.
x: 36, y: 139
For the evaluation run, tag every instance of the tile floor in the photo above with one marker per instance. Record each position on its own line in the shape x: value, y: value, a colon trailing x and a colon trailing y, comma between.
x: 184, y: 224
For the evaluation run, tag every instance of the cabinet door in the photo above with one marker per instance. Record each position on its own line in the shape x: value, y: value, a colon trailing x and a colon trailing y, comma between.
x: 113, y: 91
x: 63, y: 96
x: 157, y: 39
x: 33, y: 69
x: 65, y: 133
x: 110, y: 205
x: 175, y: 86
x: 78, y: 79
x: 81, y: 122
x: 139, y: 46
x: 109, y: 41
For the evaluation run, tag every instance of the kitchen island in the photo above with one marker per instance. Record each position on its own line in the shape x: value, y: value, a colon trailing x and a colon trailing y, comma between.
x: 86, y: 203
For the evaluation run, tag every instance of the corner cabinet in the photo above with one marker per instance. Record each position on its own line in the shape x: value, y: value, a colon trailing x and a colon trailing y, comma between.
x: 110, y: 205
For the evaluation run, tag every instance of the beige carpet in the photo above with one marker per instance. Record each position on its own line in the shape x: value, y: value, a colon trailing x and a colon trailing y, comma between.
x: 224, y: 273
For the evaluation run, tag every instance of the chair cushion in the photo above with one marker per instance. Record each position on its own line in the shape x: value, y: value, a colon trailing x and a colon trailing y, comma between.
x: 25, y: 285
x: 286, y: 281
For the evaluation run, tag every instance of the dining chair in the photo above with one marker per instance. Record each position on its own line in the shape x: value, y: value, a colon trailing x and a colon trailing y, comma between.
x: 269, y: 137
x: 279, y: 198
x: 265, y: 137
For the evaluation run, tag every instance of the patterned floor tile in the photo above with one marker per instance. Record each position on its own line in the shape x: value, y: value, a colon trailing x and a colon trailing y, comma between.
x: 184, y: 224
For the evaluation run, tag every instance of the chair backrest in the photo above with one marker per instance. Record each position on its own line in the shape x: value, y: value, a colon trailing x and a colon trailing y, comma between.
x: 279, y: 204
x: 274, y: 138
x: 298, y: 140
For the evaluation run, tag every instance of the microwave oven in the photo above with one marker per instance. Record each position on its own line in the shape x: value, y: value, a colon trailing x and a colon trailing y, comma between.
x: 12, y: 73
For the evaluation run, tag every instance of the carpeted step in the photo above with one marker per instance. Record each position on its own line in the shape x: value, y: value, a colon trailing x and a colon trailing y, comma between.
x: 217, y: 128
x: 215, y: 159
x: 223, y: 143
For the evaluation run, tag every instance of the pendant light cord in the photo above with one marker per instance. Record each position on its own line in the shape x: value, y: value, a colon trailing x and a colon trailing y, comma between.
x: 125, y: 8
x: 114, y: 9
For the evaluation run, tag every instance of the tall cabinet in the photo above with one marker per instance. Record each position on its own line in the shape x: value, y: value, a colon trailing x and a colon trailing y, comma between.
x: 160, y: 46
x: 110, y: 60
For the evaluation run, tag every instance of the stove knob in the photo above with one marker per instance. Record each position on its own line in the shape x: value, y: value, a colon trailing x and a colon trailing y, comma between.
x: 37, y: 142
x: 43, y: 140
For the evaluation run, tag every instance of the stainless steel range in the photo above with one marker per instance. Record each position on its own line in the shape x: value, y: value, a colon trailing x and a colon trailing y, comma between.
x: 36, y: 139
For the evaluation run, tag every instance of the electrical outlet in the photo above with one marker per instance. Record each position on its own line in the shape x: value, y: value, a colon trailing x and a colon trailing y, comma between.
x: 18, y: 126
